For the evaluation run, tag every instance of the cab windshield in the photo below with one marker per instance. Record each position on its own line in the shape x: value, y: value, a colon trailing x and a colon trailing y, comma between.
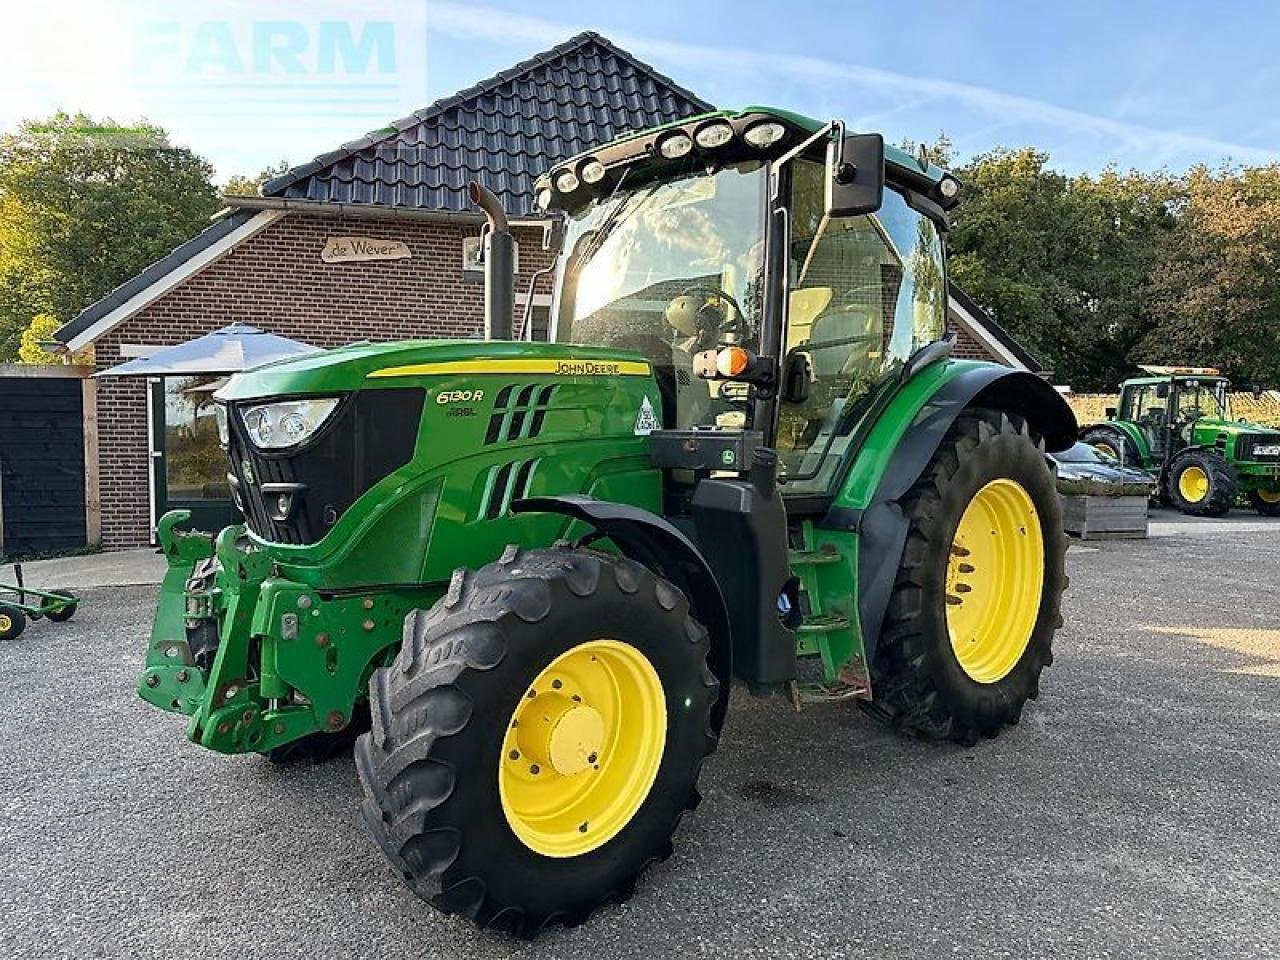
x: 1202, y: 398
x: 669, y: 269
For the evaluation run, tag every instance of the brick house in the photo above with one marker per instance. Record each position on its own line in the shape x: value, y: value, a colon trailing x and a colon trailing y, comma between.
x: 266, y: 260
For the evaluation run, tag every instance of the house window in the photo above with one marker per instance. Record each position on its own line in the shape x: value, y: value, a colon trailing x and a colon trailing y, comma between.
x: 471, y: 263
x: 195, y: 464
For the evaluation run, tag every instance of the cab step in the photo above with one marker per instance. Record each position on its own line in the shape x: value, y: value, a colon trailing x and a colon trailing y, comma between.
x: 823, y: 623
x: 812, y: 558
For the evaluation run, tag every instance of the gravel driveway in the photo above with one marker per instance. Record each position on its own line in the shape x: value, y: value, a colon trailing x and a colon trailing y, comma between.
x: 1135, y: 812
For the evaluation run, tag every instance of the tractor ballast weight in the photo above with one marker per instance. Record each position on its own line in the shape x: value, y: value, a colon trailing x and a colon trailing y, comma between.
x: 526, y: 575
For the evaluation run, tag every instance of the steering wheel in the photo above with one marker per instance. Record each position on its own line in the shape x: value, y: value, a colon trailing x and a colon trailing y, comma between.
x: 709, y: 320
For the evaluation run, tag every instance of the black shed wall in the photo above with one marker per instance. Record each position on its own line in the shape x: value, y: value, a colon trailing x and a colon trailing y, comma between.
x: 42, y: 469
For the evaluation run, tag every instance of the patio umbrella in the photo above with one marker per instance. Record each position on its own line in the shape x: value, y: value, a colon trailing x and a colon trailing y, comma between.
x: 229, y: 350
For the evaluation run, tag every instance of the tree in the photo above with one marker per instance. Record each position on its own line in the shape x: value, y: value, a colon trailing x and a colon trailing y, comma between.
x: 85, y: 205
x: 244, y: 186
x: 1216, y: 284
x: 1063, y: 263
x: 39, y: 330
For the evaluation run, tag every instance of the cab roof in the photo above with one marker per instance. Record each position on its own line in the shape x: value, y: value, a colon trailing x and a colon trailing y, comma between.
x: 638, y: 146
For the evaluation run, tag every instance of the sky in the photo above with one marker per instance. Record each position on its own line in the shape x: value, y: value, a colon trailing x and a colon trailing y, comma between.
x: 1139, y: 84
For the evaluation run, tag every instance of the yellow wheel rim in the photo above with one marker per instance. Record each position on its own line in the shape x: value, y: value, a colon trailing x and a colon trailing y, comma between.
x: 6, y: 622
x: 1193, y: 484
x: 1269, y: 496
x: 995, y: 578
x: 1109, y: 450
x: 583, y: 748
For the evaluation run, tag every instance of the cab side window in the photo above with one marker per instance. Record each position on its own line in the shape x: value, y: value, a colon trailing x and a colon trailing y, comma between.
x: 864, y: 292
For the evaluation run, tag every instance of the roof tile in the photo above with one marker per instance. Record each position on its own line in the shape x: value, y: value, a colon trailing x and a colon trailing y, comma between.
x: 504, y: 131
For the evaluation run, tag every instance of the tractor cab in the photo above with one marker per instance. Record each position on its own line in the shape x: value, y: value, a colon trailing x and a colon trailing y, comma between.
x: 1165, y: 405
x: 757, y: 237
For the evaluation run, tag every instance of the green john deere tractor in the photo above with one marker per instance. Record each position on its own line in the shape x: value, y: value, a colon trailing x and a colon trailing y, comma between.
x: 526, y: 574
x: 1176, y: 424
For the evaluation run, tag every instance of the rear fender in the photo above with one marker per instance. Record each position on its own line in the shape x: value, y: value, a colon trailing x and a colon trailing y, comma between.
x: 880, y: 524
x: 655, y: 543
x: 1129, y: 430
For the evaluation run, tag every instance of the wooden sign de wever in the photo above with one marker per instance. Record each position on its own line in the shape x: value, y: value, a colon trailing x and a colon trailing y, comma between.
x: 356, y: 249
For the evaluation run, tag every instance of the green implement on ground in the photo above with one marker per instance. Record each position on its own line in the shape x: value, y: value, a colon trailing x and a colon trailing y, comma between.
x: 523, y: 576
x: 20, y: 604
x: 1176, y: 424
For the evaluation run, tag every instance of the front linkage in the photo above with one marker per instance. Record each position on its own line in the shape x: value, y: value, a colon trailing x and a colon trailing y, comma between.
x: 255, y: 660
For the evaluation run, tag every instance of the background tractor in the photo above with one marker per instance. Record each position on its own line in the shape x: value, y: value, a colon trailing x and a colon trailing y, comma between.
x: 1176, y: 424
x: 526, y: 574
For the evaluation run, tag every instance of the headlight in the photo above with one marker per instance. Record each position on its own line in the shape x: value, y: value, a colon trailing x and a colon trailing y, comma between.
x: 592, y: 171
x: 567, y: 182
x: 675, y: 145
x: 714, y: 134
x: 220, y: 418
x: 276, y: 426
x: 765, y: 134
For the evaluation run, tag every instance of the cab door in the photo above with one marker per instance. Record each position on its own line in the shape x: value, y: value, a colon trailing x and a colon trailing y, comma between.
x: 863, y: 293
x: 1144, y: 406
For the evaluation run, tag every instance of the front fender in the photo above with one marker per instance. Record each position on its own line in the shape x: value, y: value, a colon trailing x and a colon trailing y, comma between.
x: 655, y: 543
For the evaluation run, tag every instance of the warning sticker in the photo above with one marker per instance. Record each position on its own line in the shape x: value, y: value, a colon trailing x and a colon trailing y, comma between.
x: 646, y: 422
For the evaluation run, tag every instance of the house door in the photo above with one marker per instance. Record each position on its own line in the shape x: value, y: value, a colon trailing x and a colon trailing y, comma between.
x: 188, y: 465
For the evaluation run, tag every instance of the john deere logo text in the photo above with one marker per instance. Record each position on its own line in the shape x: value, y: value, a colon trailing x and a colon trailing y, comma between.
x: 587, y: 368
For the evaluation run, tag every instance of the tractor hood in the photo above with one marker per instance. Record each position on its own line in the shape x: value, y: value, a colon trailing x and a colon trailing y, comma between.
x: 1230, y: 429
x: 371, y: 365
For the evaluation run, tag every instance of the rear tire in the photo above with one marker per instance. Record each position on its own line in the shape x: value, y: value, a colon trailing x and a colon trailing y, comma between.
x: 1201, y: 483
x: 1267, y: 503
x: 924, y: 682
x: 439, y: 794
x: 1115, y: 442
x: 12, y: 622
x: 64, y: 613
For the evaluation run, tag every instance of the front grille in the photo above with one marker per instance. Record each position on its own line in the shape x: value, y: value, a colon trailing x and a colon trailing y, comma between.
x: 1263, y: 447
x: 371, y: 434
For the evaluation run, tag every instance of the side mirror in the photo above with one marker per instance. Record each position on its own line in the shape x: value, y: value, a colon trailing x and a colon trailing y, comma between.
x: 1109, y: 413
x: 797, y: 375
x: 855, y: 175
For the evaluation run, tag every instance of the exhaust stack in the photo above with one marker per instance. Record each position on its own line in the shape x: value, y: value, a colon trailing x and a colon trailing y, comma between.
x: 498, y: 253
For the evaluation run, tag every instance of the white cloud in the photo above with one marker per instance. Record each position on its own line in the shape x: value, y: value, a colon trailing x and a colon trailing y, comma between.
x: 893, y: 91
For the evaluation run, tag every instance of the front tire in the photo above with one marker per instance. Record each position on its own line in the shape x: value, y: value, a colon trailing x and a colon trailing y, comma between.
x: 1201, y: 483
x: 978, y: 595
x: 538, y: 738
x: 1266, y: 502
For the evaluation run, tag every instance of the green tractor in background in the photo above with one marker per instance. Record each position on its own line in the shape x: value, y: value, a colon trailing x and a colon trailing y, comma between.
x: 527, y: 574
x: 1176, y: 424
